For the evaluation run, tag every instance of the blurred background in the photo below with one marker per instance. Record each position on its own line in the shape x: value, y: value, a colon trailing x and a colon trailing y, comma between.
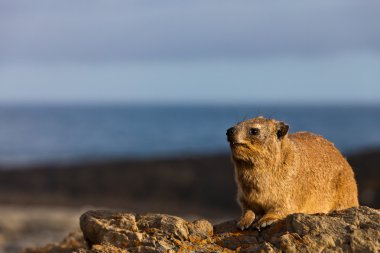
x: 124, y: 104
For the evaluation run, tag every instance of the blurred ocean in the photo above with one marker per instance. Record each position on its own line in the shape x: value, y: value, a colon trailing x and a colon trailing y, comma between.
x: 34, y: 134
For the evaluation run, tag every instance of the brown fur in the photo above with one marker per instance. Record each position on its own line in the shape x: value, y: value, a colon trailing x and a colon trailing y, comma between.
x: 278, y: 173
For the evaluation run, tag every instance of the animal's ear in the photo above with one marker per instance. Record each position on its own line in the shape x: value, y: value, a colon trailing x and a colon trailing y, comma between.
x: 282, y: 129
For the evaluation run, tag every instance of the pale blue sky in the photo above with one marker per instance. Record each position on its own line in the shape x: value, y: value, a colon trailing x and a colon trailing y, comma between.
x: 190, y: 51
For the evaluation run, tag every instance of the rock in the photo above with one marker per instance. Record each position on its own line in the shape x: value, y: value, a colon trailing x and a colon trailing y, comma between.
x: 200, y: 229
x: 166, y: 224
x: 356, y: 229
x: 143, y: 233
x: 351, y: 230
x: 115, y: 228
x: 73, y: 242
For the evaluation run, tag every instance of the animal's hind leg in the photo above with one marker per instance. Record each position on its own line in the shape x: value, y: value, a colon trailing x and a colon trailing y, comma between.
x: 346, y: 192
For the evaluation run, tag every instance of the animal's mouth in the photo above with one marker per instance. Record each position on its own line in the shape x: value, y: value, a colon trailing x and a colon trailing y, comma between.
x: 243, y: 147
x: 238, y: 144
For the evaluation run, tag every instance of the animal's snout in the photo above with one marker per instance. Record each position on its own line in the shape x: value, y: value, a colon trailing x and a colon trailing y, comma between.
x: 230, y: 133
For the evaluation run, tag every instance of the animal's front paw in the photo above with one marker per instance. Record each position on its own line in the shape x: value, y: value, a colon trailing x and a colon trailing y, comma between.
x: 246, y: 220
x: 266, y: 221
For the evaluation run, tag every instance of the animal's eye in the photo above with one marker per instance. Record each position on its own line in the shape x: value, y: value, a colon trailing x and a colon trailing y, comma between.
x: 254, y: 131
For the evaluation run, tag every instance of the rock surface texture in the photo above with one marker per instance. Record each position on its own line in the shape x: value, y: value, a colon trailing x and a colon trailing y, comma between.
x: 351, y: 230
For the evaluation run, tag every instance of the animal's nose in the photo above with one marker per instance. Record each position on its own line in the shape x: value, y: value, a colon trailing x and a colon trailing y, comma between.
x: 230, y: 131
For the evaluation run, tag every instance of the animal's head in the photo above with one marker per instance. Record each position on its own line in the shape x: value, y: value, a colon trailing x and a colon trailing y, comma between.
x: 257, y: 137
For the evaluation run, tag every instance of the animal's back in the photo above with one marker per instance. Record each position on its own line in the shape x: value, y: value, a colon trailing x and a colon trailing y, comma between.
x: 325, y: 177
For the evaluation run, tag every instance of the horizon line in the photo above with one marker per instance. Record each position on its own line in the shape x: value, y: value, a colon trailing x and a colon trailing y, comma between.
x: 327, y: 103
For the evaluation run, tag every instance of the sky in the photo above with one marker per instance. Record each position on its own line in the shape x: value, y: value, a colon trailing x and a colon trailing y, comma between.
x: 77, y: 51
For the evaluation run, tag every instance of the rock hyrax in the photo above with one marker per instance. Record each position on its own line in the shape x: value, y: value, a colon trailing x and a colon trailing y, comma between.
x: 279, y: 173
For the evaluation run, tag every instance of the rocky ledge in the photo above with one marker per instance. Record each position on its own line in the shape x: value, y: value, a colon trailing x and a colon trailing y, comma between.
x: 351, y: 230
